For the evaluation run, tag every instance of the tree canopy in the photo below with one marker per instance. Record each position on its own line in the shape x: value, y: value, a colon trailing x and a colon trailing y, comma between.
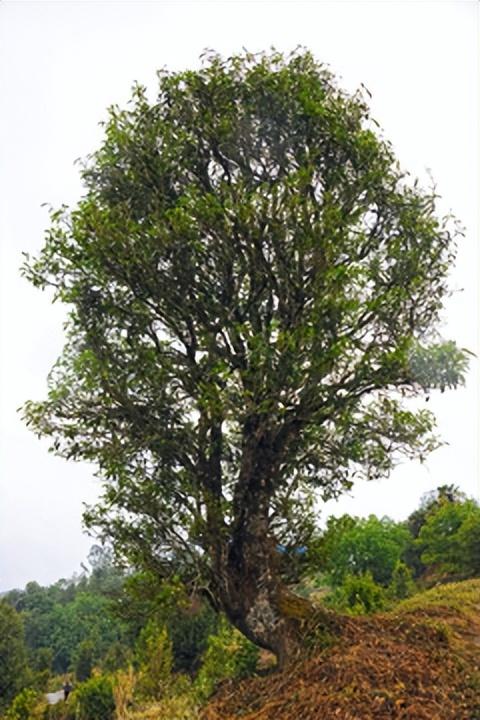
x: 253, y: 288
x: 450, y: 537
x: 354, y: 546
x: 13, y: 654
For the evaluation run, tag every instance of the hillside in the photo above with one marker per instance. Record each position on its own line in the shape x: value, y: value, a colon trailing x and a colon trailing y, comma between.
x: 421, y: 661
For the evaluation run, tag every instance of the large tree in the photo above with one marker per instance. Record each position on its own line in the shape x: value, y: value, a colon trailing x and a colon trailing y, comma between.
x: 253, y: 287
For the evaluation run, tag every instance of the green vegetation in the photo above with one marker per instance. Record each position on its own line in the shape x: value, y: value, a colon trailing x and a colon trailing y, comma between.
x: 357, y: 594
x: 23, y: 705
x: 355, y: 546
x: 165, y: 651
x: 229, y: 655
x: 69, y: 623
x: 94, y: 699
x: 155, y: 658
x: 460, y: 596
x: 449, y: 540
x: 13, y: 655
x: 253, y: 289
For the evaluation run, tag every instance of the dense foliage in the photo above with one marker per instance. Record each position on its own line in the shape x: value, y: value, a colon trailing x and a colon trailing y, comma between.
x: 13, y: 656
x: 253, y: 289
x: 353, y: 546
x: 64, y: 621
x: 449, y: 540
x: 94, y: 699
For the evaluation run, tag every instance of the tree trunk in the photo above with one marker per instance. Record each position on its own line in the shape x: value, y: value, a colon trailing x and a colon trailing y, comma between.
x: 246, y: 570
x: 256, y: 601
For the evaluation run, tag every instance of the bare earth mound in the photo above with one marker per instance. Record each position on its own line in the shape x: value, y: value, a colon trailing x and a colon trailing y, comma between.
x: 420, y: 662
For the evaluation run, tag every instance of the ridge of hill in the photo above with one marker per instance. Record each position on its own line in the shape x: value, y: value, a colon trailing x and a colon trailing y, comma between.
x: 418, y: 662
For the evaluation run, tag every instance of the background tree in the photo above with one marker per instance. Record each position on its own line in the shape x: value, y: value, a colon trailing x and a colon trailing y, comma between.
x: 13, y: 654
x: 449, y: 541
x: 429, y: 504
x: 155, y: 658
x: 355, y: 546
x: 253, y: 288
x: 84, y: 627
x: 189, y: 619
x: 83, y: 660
x: 36, y: 605
x: 105, y: 578
x: 59, y: 617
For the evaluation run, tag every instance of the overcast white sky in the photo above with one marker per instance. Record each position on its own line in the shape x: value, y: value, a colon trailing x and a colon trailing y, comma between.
x: 62, y: 63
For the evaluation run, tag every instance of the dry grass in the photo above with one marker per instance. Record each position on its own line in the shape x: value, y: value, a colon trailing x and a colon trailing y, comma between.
x: 420, y: 662
x: 179, y: 707
x: 123, y: 687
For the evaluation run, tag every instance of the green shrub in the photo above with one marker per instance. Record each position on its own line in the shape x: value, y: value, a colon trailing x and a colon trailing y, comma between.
x: 174, y: 707
x: 83, y: 660
x: 155, y: 658
x: 189, y: 631
x: 228, y: 655
x: 95, y: 699
x: 62, y: 710
x: 402, y: 584
x: 358, y: 595
x: 117, y: 657
x: 22, y: 705
x: 181, y: 703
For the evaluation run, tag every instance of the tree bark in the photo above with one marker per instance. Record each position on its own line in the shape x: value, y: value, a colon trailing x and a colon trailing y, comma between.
x: 246, y: 569
x: 257, y: 602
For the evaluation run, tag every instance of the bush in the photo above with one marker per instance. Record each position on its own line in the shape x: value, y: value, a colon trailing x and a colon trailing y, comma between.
x: 83, y: 660
x: 189, y: 629
x: 229, y: 655
x: 95, y: 699
x: 61, y: 711
x: 123, y: 688
x: 22, y: 707
x: 402, y: 585
x: 180, y: 704
x: 155, y: 656
x: 358, y: 595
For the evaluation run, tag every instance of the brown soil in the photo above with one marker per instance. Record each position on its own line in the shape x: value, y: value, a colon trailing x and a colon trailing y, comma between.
x: 420, y: 664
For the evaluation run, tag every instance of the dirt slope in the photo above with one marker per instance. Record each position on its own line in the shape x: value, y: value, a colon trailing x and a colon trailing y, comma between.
x: 422, y: 661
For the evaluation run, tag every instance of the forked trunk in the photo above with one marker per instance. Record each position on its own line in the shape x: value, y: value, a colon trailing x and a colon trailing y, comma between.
x: 257, y: 602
